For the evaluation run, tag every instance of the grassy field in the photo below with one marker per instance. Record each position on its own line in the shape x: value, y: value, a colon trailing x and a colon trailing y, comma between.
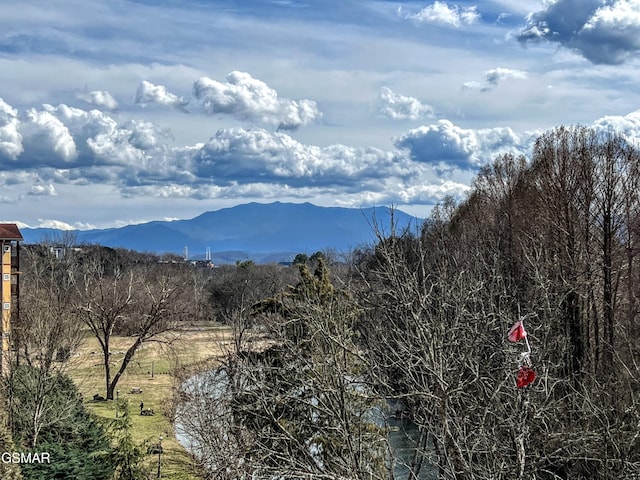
x: 195, y: 348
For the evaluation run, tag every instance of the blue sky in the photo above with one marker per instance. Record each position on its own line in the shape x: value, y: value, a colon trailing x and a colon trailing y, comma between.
x: 115, y: 112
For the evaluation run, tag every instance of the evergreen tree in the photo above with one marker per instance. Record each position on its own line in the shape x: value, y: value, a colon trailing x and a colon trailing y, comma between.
x: 76, y: 441
x: 127, y: 456
x: 295, y: 404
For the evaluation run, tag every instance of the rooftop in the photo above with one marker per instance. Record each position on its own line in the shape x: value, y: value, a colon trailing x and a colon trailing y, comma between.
x: 10, y: 231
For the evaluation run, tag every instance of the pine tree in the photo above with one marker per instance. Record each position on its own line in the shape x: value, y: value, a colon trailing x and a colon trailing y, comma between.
x: 296, y: 406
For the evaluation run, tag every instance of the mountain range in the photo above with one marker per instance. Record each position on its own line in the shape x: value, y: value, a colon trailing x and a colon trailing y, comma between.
x: 269, y: 232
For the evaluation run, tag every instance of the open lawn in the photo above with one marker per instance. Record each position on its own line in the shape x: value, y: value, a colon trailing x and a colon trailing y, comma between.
x: 153, y: 370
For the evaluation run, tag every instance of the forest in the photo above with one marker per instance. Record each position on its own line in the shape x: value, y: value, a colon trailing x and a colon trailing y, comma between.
x: 319, y: 352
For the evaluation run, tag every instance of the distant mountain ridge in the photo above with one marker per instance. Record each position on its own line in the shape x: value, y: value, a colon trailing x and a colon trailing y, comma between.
x: 259, y: 231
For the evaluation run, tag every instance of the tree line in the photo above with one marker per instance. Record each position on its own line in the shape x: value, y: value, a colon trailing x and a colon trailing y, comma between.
x: 70, y: 293
x: 418, y: 320
x: 423, y: 320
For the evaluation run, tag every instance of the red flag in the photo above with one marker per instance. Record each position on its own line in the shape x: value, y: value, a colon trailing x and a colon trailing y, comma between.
x: 526, y: 376
x: 517, y: 332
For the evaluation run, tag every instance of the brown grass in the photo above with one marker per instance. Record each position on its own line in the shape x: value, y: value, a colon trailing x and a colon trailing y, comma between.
x: 196, y: 348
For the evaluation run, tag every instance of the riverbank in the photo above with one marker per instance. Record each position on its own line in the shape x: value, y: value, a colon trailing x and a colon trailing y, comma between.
x: 154, y: 370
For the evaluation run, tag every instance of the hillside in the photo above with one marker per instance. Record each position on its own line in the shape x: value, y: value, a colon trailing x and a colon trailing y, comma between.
x: 262, y: 232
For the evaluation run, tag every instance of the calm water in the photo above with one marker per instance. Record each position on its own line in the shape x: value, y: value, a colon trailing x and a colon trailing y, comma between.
x: 403, y: 436
x: 403, y: 440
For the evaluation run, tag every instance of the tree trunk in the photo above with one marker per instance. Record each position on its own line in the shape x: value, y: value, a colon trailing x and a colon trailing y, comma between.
x: 125, y: 362
x: 107, y: 369
x: 607, y: 294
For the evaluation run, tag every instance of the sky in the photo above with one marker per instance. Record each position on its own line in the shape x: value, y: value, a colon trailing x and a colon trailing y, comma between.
x: 115, y: 112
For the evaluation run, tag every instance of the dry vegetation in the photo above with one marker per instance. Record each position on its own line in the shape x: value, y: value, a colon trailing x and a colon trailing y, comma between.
x: 196, y: 348
x: 421, y: 319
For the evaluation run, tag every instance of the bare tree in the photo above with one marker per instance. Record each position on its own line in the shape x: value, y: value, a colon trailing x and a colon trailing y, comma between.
x: 47, y: 334
x: 295, y: 405
x: 546, y: 241
x: 232, y: 289
x: 141, y: 302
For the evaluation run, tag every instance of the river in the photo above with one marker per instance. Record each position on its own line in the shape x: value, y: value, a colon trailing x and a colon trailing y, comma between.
x: 403, y: 434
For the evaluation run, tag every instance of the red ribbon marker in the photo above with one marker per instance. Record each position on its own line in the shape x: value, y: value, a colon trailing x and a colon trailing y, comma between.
x: 526, y: 374
x: 517, y: 332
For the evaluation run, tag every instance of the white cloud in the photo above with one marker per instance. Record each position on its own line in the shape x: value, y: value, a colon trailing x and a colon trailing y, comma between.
x: 497, y: 75
x: 253, y: 100
x: 43, y: 190
x: 148, y: 93
x: 98, y: 98
x: 445, y: 142
x: 257, y: 154
x: 256, y: 163
x: 57, y: 224
x: 46, y: 138
x: 84, y: 226
x: 612, y: 34
x: 602, y: 32
x: 442, y: 13
x: 400, y: 107
x: 428, y: 162
x: 102, y: 140
x: 627, y: 125
x: 10, y: 138
x: 474, y: 85
x: 428, y: 193
x: 492, y: 78
x: 18, y: 223
x: 623, y: 13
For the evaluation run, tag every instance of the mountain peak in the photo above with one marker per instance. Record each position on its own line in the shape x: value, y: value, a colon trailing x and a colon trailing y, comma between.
x: 254, y: 228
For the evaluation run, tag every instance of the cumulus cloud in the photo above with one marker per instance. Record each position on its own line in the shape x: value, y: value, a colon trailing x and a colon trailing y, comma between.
x: 68, y: 145
x: 57, y: 224
x: 602, y: 32
x: 102, y: 140
x: 400, y: 107
x: 83, y: 138
x: 10, y: 137
x: 46, y: 138
x: 428, y: 162
x: 256, y: 163
x: 492, y: 78
x: 257, y: 154
x: 453, y: 145
x: 64, y: 144
x: 60, y: 225
x: 627, y: 125
x: 441, y: 13
x: 253, y: 100
x: 148, y: 93
x: 44, y: 190
x: 433, y: 193
x: 98, y: 98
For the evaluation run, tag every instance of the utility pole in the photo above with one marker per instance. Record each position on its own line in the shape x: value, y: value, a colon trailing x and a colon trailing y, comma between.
x: 159, y: 453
